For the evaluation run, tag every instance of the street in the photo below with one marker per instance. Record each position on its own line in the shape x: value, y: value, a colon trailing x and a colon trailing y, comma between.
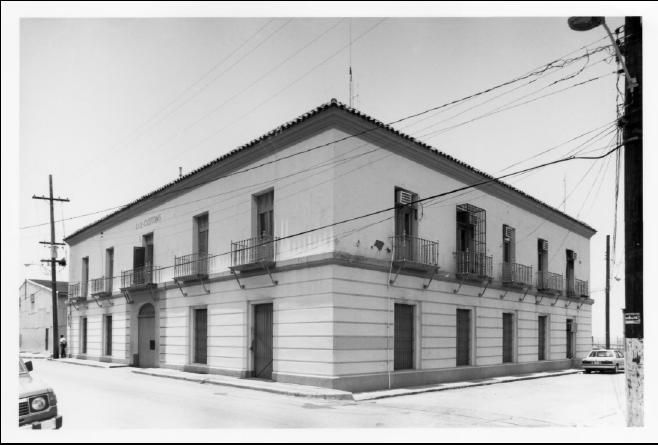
x: 117, y: 398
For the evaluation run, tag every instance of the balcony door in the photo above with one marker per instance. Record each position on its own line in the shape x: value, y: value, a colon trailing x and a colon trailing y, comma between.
x: 406, y: 224
x: 264, y: 226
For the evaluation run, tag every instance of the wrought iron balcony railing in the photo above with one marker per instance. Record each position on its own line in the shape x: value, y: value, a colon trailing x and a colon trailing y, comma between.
x: 191, y: 267
x: 411, y: 249
x: 74, y: 291
x: 101, y: 287
x: 144, y: 276
x: 581, y: 289
x: 517, y: 274
x: 550, y: 282
x: 252, y: 251
x: 471, y: 265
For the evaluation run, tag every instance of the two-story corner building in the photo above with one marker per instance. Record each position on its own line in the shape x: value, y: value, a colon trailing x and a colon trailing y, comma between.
x: 35, y: 304
x: 313, y: 255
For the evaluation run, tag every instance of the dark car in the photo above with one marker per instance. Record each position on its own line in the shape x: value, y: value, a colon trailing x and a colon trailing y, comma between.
x: 37, y: 404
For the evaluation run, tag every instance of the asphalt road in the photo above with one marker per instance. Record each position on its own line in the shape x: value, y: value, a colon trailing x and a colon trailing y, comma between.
x: 117, y: 398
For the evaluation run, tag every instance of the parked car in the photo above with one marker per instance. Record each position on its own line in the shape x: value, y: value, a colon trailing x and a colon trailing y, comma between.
x: 604, y: 360
x: 37, y: 403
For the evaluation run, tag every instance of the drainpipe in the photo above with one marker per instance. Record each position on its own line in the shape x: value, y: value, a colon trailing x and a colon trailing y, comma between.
x: 389, y: 302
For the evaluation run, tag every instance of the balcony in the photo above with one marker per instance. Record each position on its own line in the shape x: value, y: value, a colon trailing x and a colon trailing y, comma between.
x: 474, y: 266
x: 517, y: 275
x: 75, y: 291
x: 191, y: 267
x: 415, y: 253
x: 101, y: 287
x: 253, y: 253
x: 140, y: 277
x: 551, y: 283
x: 580, y: 289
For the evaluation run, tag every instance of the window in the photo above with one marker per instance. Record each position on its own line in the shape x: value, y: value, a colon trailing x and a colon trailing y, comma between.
x: 571, y: 283
x: 542, y: 263
x: 83, y: 335
x: 109, y: 269
x: 406, y: 220
x: 85, y: 277
x: 46, y: 339
x: 508, y: 338
x: 403, y: 353
x: 265, y: 215
x: 509, y: 247
x: 108, y: 335
x: 472, y: 241
x: 200, y: 263
x: 463, y: 337
x: 200, y: 336
x: 541, y: 333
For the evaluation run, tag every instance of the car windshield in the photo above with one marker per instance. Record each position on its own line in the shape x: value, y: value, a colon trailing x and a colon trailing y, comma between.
x: 601, y: 354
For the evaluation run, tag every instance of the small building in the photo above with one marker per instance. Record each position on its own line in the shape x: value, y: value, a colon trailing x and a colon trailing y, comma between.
x: 35, y: 303
x: 334, y: 251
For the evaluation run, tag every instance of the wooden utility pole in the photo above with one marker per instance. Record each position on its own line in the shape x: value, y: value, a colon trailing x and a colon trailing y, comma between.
x: 53, y: 262
x: 633, y: 224
x: 607, y: 291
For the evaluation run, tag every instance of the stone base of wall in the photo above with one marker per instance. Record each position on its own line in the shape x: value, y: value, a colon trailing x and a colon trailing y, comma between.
x: 201, y: 369
x: 403, y: 379
x: 102, y: 358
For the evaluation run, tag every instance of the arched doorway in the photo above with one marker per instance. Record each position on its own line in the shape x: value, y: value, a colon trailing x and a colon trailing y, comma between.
x: 147, y: 343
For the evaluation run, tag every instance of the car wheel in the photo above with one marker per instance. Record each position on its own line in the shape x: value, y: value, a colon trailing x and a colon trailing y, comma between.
x: 617, y: 369
x: 587, y: 371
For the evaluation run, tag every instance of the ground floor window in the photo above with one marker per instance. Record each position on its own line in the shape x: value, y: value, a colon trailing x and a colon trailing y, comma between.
x: 46, y: 339
x: 108, y: 335
x: 403, y: 352
x: 83, y: 335
x: 508, y: 338
x: 463, y: 337
x: 201, y: 336
x: 541, y: 333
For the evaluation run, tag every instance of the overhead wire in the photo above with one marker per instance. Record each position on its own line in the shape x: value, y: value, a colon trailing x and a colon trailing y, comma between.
x: 374, y: 128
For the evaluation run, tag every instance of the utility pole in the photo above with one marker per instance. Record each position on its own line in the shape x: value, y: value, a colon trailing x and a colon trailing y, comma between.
x: 634, y: 256
x: 630, y: 58
x: 607, y: 291
x: 53, y: 261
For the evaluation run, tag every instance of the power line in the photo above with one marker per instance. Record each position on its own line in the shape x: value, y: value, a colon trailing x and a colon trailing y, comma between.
x: 432, y: 197
x: 375, y: 127
x: 279, y: 65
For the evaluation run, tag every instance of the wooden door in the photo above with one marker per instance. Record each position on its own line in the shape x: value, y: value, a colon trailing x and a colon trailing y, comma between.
x: 403, y: 353
x: 463, y: 337
x: 263, y: 341
x: 147, y: 342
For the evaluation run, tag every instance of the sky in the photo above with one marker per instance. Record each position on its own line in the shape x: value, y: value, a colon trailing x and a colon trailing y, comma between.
x: 113, y: 107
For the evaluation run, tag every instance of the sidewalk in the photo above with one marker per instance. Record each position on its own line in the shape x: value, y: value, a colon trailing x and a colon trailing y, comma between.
x: 289, y: 389
x: 382, y: 394
x: 92, y: 363
x: 292, y: 389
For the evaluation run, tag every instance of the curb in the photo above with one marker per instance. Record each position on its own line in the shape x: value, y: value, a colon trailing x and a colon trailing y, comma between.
x: 411, y: 392
x: 92, y: 364
x: 287, y: 392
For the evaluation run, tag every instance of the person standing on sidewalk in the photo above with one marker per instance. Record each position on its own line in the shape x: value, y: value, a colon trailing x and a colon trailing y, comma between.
x: 62, y: 346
